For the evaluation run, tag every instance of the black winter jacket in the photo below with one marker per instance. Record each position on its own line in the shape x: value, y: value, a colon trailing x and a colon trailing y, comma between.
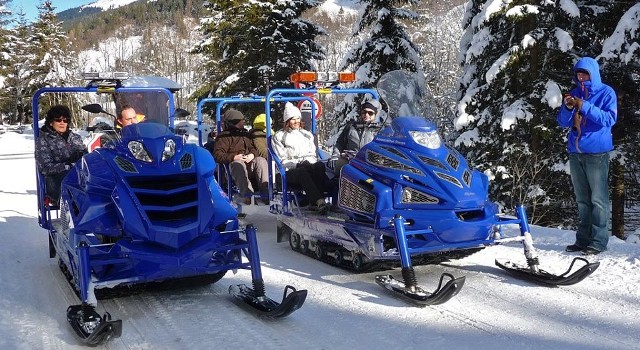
x: 55, y: 152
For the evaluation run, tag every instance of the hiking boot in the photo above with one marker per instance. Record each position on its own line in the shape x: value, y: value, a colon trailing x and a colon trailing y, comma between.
x: 573, y: 248
x: 590, y: 251
x: 322, y: 207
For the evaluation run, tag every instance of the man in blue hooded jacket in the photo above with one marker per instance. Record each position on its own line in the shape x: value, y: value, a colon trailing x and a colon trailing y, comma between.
x: 589, y: 110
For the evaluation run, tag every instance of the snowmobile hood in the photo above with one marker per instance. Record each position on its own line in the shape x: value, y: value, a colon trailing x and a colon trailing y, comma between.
x: 401, y: 129
x: 151, y: 139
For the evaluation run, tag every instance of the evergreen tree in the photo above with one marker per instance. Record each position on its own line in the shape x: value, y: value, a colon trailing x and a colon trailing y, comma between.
x: 620, y: 57
x: 508, y: 103
x: 5, y: 20
x: 18, y: 71
x: 382, y: 46
x: 49, y: 43
x: 517, y: 59
x: 250, y: 46
x: 438, y: 35
x: 52, y: 59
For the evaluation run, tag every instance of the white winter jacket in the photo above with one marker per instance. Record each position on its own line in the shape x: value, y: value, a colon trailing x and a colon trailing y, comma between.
x: 294, y: 146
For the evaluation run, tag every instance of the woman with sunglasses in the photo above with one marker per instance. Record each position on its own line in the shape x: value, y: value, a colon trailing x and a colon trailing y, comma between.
x: 57, y: 149
x: 356, y: 134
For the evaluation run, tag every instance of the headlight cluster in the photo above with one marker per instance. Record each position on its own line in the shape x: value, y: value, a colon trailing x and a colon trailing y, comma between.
x: 429, y: 139
x: 140, y: 153
x: 169, y: 150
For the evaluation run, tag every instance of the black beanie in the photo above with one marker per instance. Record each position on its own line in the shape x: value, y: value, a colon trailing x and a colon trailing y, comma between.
x: 369, y: 105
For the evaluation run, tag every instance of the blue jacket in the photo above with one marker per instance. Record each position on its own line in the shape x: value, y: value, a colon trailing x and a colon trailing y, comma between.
x: 599, y: 112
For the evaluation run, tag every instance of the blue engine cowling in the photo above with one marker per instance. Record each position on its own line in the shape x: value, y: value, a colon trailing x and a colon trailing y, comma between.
x: 430, y: 185
x: 158, y: 218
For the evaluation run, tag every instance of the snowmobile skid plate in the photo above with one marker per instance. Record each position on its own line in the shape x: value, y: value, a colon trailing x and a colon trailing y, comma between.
x: 418, y: 296
x: 549, y: 279
x: 92, y: 329
x: 292, y: 300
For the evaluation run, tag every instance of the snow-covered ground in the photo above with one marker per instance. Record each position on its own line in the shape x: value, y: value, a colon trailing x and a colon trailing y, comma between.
x: 342, y: 311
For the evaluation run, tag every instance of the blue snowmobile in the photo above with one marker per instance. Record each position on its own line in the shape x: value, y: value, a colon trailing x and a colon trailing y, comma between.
x: 144, y: 210
x: 406, y: 199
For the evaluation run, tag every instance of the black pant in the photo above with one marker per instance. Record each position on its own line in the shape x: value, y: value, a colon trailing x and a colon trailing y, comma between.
x: 311, y: 178
x: 54, y: 184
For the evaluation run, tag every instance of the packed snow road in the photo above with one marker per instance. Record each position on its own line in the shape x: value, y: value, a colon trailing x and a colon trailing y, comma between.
x: 342, y: 311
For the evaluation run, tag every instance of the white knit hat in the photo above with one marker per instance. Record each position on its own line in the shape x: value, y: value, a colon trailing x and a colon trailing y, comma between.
x: 290, y: 111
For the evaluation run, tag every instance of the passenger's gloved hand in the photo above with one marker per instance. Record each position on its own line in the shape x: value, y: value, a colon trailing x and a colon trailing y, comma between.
x: 75, y: 156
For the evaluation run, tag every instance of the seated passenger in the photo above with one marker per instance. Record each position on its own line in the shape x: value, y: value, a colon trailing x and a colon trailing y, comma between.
x: 259, y: 134
x: 356, y: 134
x: 57, y: 149
x: 233, y: 146
x: 211, y: 140
x: 297, y: 150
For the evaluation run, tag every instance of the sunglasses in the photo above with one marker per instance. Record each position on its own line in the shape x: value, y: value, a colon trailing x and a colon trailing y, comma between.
x: 368, y: 112
x: 60, y: 120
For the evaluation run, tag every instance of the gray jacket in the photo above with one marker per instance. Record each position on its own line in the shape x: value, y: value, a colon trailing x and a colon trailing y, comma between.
x: 355, y: 135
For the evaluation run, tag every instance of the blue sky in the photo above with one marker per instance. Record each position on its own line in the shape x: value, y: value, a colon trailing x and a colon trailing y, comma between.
x: 30, y: 7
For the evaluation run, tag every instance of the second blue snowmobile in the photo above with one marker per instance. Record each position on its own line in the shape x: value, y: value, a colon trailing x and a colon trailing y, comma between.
x: 408, y: 199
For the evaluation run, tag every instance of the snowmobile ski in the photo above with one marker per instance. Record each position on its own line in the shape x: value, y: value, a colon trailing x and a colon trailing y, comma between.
x: 292, y: 300
x: 417, y: 295
x: 92, y: 329
x: 546, y: 278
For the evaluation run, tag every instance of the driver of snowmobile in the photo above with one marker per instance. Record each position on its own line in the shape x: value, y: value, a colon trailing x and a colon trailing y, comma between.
x: 127, y: 116
x: 357, y: 134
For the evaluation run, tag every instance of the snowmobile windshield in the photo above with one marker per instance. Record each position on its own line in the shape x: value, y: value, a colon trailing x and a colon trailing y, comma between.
x: 406, y: 98
x: 404, y: 93
x: 145, y: 130
x: 148, y: 105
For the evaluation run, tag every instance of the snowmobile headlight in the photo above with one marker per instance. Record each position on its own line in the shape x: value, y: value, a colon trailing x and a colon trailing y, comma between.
x: 169, y: 150
x: 139, y: 152
x: 429, y: 139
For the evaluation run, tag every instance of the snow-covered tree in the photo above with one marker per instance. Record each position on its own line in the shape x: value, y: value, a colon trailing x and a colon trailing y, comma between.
x: 5, y: 20
x: 50, y: 46
x: 50, y: 61
x: 251, y: 46
x: 437, y: 35
x: 18, y: 71
x: 620, y: 57
x: 517, y: 58
x: 381, y: 45
x: 508, y: 98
